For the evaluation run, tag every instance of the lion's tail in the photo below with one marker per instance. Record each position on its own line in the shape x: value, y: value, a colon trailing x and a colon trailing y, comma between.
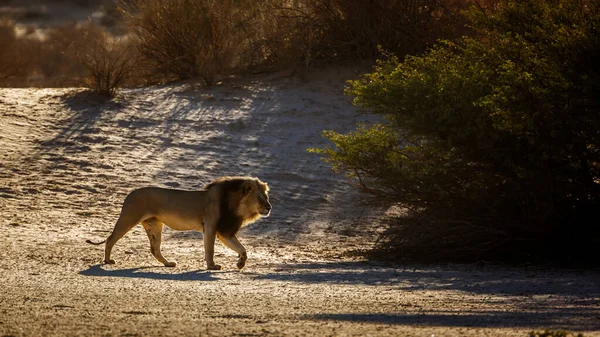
x: 96, y: 243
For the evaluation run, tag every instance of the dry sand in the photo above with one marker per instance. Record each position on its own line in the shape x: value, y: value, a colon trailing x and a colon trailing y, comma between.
x: 67, y: 160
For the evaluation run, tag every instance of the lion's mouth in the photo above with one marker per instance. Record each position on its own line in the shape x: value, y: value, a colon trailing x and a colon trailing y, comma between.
x: 265, y: 212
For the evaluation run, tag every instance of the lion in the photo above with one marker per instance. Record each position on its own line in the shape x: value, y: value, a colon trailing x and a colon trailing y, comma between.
x: 220, y: 210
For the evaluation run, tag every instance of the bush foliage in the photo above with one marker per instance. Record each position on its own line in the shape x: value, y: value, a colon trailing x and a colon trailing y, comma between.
x: 211, y: 39
x: 491, y: 142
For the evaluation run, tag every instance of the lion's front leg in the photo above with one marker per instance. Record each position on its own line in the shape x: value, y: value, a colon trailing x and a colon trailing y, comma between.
x: 209, y: 248
x: 232, y: 242
x: 242, y: 260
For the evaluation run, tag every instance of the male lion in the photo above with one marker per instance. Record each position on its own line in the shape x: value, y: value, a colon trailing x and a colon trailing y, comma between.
x: 220, y: 209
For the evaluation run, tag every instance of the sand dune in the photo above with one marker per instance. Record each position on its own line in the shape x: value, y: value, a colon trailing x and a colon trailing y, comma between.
x: 67, y: 160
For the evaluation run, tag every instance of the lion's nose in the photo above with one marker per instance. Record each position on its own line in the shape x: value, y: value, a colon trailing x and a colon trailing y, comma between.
x: 267, y: 210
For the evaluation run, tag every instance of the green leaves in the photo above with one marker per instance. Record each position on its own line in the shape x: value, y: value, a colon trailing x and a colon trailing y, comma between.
x: 499, y: 128
x: 510, y: 90
x: 365, y: 154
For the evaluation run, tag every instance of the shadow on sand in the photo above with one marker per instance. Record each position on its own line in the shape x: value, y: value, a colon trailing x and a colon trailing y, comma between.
x: 143, y: 272
x: 569, y: 298
x: 81, y: 126
x: 499, y: 281
x: 563, y: 319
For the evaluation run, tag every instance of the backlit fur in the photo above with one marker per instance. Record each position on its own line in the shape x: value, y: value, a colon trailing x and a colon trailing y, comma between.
x: 220, y: 209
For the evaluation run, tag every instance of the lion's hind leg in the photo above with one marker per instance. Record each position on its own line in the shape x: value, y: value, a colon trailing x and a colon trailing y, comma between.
x: 154, y: 228
x: 123, y: 225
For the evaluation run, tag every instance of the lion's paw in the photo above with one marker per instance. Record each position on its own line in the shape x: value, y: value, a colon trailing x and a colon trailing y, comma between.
x: 110, y: 261
x: 242, y: 262
x: 214, y: 267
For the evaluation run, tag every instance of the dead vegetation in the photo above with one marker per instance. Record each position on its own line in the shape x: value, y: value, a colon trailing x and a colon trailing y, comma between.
x: 110, y: 63
x: 13, y: 55
x: 210, y: 39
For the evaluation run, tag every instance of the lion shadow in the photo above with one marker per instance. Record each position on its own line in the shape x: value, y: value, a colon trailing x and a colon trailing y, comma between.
x: 143, y: 272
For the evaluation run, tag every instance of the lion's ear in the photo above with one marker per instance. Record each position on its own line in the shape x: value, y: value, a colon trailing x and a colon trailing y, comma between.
x: 247, y: 187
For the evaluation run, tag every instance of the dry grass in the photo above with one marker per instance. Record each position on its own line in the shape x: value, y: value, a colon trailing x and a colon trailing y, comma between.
x: 110, y: 63
x: 188, y: 39
x: 14, y: 57
x: 212, y: 39
x: 69, y: 55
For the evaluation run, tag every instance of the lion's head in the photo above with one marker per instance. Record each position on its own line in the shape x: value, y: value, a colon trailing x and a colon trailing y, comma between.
x: 248, y: 197
x: 255, y: 198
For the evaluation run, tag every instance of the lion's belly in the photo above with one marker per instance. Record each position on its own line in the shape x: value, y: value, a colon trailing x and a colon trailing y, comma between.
x: 180, y: 223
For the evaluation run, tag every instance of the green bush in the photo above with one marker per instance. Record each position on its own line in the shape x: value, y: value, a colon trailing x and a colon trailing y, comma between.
x: 491, y: 142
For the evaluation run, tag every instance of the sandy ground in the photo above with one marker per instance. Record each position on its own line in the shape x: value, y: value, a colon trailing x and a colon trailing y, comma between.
x: 67, y: 160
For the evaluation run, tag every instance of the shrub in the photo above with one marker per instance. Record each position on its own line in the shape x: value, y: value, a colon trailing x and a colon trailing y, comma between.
x: 213, y: 38
x: 14, y: 60
x: 492, y: 140
x: 110, y: 62
x: 357, y: 28
x: 188, y: 38
x: 309, y: 30
x: 59, y: 54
